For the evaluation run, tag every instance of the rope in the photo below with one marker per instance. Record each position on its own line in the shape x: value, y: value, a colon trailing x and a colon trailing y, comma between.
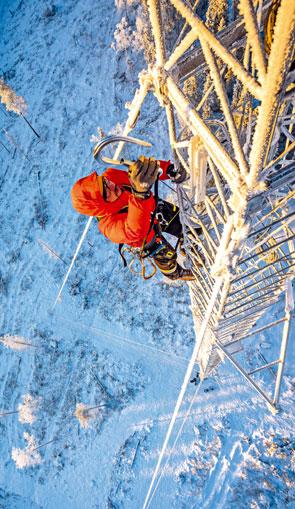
x: 175, y: 443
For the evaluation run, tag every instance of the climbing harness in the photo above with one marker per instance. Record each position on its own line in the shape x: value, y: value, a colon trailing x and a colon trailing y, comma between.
x: 158, y: 248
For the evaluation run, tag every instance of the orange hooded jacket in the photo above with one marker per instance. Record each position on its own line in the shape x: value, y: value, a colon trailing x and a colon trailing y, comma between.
x: 127, y: 227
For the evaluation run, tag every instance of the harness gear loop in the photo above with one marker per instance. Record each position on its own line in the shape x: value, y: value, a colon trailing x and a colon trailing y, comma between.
x: 143, y: 273
x: 136, y: 256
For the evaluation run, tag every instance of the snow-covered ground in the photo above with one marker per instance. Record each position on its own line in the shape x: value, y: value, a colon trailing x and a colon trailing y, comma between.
x: 114, y: 339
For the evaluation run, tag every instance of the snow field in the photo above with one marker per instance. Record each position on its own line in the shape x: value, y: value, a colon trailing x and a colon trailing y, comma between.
x: 113, y: 339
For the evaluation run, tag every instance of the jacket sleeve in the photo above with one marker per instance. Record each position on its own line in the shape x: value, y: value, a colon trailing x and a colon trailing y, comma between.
x: 132, y: 227
x: 122, y: 176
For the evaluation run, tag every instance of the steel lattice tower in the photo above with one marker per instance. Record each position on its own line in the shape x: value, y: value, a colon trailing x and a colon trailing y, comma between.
x: 240, y: 158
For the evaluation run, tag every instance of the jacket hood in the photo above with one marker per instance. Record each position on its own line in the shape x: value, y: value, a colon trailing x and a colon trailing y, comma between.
x: 87, y: 197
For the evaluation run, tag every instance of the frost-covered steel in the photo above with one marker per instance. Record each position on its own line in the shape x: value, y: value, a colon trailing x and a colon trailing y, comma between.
x: 231, y: 209
x: 245, y: 254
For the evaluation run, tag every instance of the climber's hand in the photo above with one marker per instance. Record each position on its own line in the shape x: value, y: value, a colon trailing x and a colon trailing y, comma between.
x: 142, y: 175
x: 177, y: 173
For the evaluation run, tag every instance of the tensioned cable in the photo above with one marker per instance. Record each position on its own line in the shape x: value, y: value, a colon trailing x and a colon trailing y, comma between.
x: 175, y: 443
x: 185, y: 383
x: 73, y: 260
x: 76, y: 252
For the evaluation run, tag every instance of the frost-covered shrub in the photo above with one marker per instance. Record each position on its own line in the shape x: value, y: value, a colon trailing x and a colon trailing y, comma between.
x: 29, y: 456
x: 190, y: 86
x: 12, y: 101
x: 84, y: 413
x: 81, y: 414
x: 216, y: 16
x: 123, y: 36
x: 27, y: 409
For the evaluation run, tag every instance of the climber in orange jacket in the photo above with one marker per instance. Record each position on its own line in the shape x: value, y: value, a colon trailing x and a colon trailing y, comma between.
x: 125, y: 208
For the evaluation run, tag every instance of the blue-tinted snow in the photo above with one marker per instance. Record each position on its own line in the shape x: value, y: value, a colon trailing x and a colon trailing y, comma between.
x: 113, y: 339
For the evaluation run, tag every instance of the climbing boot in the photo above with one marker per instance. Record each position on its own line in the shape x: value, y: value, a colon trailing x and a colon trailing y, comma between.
x: 181, y: 274
x: 200, y: 263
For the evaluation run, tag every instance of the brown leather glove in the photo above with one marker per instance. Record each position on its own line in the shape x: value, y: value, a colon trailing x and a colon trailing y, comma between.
x: 142, y: 175
x: 177, y: 173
